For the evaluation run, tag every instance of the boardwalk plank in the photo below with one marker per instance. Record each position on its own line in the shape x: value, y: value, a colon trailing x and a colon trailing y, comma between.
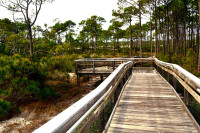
x: 149, y: 104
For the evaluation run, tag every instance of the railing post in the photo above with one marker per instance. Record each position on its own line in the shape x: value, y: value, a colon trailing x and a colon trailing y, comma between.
x: 174, y: 82
x: 101, y: 78
x: 101, y: 122
x: 113, y: 65
x: 121, y: 84
x: 162, y: 71
x: 124, y: 78
x: 186, y: 100
x: 78, y: 80
x: 115, y: 95
x: 159, y: 71
x: 131, y: 69
x: 93, y: 67
x: 168, y: 77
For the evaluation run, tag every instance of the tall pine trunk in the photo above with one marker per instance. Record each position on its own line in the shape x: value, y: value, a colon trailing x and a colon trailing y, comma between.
x: 151, y: 36
x: 155, y: 30
x: 30, y: 39
x: 184, y: 26
x: 131, y: 38
x: 140, y: 30
x: 197, y: 41
x: 198, y: 45
x: 164, y: 36
x: 168, y: 42
x: 176, y: 28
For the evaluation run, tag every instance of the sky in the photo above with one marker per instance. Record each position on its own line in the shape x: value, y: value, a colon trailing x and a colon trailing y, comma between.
x: 75, y: 10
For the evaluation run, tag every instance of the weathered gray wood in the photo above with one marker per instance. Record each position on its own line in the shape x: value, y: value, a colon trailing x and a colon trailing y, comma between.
x: 101, y: 122
x: 93, y: 67
x: 90, y: 66
x: 189, y: 78
x: 67, y: 119
x: 186, y: 100
x: 155, y: 99
x: 145, y: 106
x: 184, y: 84
x: 86, y: 125
x: 174, y: 83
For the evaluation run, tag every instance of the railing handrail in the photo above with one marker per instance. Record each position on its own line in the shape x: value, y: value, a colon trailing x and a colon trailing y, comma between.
x: 111, y: 59
x: 189, y: 78
x: 72, y: 114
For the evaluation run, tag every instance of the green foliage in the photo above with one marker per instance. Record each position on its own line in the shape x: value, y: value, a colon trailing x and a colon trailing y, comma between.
x: 48, y: 92
x: 62, y: 49
x: 20, y: 78
x: 5, y: 107
x: 61, y: 63
x: 2, y: 47
x: 194, y: 108
x: 189, y: 62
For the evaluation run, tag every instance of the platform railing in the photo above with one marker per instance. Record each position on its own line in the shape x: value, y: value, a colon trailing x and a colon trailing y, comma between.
x: 94, y: 63
x: 80, y: 116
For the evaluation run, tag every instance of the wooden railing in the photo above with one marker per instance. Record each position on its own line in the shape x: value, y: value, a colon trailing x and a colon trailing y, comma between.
x: 188, y: 88
x: 82, y: 115
x: 90, y: 107
x: 190, y: 82
x: 94, y: 63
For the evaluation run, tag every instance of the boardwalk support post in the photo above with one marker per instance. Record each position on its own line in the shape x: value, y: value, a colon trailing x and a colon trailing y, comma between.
x: 78, y: 80
x: 113, y: 63
x: 93, y: 67
x: 101, y: 78
x: 168, y: 77
x: 101, y: 122
x: 186, y: 100
x: 115, y: 95
x: 174, y: 83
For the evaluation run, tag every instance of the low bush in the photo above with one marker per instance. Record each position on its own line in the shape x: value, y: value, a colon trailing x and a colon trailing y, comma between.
x: 5, y: 107
x: 20, y: 79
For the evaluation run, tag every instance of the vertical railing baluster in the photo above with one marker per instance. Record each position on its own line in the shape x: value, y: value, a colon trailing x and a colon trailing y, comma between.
x: 186, y: 100
x: 115, y: 95
x: 168, y: 77
x: 93, y: 67
x: 78, y: 80
x: 113, y: 65
x: 101, y: 122
x: 174, y: 83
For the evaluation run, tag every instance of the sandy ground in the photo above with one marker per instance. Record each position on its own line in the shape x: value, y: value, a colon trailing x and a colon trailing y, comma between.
x: 35, y: 114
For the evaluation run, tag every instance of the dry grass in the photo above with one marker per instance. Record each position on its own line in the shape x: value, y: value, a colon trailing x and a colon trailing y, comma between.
x: 35, y: 113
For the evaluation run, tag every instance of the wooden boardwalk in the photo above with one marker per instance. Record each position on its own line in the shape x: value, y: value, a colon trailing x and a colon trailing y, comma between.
x: 149, y: 104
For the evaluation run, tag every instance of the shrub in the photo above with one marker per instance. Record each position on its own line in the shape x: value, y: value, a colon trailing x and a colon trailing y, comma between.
x: 61, y: 63
x: 48, y: 92
x: 5, y: 107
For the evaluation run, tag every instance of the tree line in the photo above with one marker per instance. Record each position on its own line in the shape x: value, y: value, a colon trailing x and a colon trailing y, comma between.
x: 31, y: 55
x: 171, y: 28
